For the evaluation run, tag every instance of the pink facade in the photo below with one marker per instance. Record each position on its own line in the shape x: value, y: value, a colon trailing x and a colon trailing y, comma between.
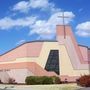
x: 84, y: 52
x: 18, y: 52
x: 88, y: 54
x: 70, y: 33
x: 33, y: 49
x: 70, y: 79
x: 26, y: 50
x: 33, y: 67
x: 60, y: 30
x: 19, y: 71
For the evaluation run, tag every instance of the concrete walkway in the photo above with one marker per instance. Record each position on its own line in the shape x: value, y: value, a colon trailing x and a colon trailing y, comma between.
x: 42, y: 87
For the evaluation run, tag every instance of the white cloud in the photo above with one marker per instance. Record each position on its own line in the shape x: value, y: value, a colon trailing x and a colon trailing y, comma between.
x: 39, y: 3
x: 7, y: 22
x: 83, y: 33
x: 84, y: 26
x: 22, y: 6
x: 46, y: 28
x: 40, y: 27
x: 21, y: 42
x: 25, y: 6
x: 83, y: 29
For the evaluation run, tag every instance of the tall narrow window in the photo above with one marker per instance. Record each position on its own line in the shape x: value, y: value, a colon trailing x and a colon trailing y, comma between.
x: 53, y: 61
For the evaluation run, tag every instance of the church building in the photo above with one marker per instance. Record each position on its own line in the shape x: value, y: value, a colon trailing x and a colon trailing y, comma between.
x: 63, y: 58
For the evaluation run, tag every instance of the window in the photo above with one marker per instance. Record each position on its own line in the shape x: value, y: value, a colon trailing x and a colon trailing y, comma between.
x: 53, y: 61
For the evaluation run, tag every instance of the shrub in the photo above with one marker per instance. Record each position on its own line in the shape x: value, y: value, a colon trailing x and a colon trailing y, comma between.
x: 46, y: 80
x: 30, y: 80
x: 1, y: 82
x: 84, y: 81
x: 35, y: 80
x: 11, y: 81
x: 56, y: 80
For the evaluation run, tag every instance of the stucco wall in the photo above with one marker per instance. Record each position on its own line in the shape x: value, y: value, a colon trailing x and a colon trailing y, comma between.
x: 84, y: 51
x: 18, y: 75
x: 89, y: 54
x: 32, y: 49
x: 73, y: 60
x: 66, y: 67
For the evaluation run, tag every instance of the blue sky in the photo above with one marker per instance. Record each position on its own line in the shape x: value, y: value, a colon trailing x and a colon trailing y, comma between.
x: 28, y: 20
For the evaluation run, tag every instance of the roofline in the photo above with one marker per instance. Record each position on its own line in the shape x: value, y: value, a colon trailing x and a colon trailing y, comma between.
x: 84, y: 46
x: 27, y: 43
x: 63, y: 25
x: 35, y: 42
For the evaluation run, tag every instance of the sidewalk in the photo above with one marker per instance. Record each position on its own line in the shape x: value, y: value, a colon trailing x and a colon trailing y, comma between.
x: 41, y: 87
